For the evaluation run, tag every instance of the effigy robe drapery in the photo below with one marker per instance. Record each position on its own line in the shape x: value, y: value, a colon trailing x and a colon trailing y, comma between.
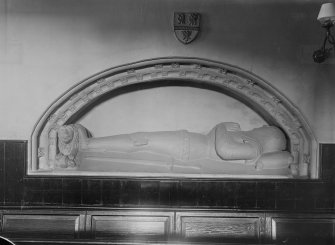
x: 226, y: 149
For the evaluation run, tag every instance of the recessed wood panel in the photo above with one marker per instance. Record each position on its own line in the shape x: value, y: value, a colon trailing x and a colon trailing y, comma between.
x: 125, y: 225
x: 2, y: 171
x: 327, y: 155
x: 221, y: 228
x: 41, y: 226
x: 298, y: 230
x: 14, y: 163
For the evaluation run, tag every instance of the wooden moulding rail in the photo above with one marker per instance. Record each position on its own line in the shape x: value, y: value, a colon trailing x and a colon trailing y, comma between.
x: 164, y: 227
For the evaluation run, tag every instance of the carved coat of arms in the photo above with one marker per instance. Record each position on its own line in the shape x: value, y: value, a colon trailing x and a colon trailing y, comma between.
x: 186, y: 26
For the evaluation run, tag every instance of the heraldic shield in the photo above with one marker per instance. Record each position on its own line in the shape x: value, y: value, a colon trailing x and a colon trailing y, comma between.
x: 186, y: 26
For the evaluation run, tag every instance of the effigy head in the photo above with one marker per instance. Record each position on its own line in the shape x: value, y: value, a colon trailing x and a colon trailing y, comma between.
x: 65, y: 134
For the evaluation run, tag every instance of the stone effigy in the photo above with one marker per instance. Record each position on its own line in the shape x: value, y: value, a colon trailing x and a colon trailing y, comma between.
x: 225, y: 149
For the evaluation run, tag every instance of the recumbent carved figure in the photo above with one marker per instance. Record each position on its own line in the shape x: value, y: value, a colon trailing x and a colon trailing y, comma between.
x: 262, y: 148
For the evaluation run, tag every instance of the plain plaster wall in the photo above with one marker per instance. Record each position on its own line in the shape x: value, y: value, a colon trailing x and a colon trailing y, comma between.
x: 168, y: 108
x: 47, y: 46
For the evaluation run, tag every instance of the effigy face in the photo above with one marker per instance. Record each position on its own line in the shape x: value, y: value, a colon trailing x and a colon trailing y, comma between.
x: 193, y: 119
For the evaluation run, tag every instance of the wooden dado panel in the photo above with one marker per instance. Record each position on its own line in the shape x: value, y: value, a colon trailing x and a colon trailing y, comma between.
x: 41, y: 225
x: 219, y: 226
x: 308, y: 229
x: 130, y: 225
x: 1, y: 223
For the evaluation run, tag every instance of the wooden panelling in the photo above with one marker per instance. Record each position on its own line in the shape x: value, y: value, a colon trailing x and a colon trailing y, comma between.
x: 116, y: 226
x: 291, y: 195
x: 2, y: 171
x: 0, y: 223
x: 219, y: 226
x: 307, y: 229
x: 327, y: 156
x: 42, y: 225
x: 130, y: 225
x: 15, y: 159
x: 294, y: 195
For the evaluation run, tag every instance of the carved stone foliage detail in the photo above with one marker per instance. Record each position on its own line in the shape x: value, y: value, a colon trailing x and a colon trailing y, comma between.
x: 41, y: 152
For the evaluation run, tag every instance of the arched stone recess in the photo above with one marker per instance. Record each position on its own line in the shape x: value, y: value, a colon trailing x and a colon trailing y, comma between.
x: 261, y: 96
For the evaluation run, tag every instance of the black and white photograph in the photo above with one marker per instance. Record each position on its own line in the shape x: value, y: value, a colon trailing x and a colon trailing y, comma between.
x: 167, y: 122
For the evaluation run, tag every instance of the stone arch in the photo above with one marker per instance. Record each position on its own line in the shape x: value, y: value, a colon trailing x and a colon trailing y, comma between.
x: 245, y: 86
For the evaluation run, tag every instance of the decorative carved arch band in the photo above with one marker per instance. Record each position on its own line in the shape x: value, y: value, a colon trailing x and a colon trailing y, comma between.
x: 247, y: 87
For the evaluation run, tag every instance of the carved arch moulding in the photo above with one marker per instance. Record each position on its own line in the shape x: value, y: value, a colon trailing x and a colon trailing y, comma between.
x: 260, y: 95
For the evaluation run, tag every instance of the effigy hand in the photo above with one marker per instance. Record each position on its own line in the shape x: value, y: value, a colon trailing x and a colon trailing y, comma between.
x: 232, y: 126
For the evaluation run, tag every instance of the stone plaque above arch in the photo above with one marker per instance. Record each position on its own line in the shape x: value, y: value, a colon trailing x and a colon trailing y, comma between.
x: 58, y: 147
